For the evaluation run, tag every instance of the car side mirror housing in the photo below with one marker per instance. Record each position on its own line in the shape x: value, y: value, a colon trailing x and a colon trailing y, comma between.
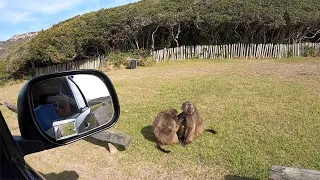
x: 64, y: 107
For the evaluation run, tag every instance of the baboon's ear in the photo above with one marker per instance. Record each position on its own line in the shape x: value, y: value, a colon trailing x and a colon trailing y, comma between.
x: 175, y: 112
x: 172, y: 112
x: 183, y: 105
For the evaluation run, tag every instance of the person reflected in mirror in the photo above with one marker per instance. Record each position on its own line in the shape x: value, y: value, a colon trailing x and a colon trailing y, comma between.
x: 62, y: 105
x: 55, y: 108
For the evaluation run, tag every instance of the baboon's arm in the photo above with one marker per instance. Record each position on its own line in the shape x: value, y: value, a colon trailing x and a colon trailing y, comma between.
x: 179, y: 122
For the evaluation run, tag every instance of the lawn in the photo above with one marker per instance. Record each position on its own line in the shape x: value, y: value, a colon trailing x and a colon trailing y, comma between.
x: 266, y: 112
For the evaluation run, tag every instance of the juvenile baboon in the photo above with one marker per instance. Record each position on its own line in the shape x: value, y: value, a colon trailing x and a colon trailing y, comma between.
x: 190, y: 123
x: 182, y: 126
x: 165, y: 128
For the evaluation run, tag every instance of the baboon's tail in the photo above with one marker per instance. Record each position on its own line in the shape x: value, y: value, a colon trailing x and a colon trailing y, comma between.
x: 211, y: 130
x: 161, y: 149
x: 10, y: 106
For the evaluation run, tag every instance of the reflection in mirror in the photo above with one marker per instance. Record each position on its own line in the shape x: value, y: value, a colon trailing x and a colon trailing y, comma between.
x: 64, y: 129
x: 70, y: 105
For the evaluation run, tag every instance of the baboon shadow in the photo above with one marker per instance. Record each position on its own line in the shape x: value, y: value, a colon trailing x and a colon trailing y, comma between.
x: 234, y: 177
x: 72, y: 175
x: 148, y: 134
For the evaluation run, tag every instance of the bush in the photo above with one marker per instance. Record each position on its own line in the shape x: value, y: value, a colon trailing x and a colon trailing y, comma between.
x: 314, y: 52
x: 3, y: 69
x: 122, y: 60
x: 140, y: 53
x: 106, y: 66
x: 119, y: 59
x: 310, y: 51
x: 148, y: 61
x: 290, y: 53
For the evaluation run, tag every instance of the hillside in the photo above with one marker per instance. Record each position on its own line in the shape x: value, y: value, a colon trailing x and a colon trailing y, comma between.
x: 155, y: 24
x: 9, y: 45
x: 5, y: 46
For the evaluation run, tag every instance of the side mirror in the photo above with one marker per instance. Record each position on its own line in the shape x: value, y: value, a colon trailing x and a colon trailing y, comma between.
x: 64, y: 107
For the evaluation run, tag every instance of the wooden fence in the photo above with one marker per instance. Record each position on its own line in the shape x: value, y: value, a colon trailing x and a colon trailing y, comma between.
x: 92, y: 63
x: 235, y: 51
x: 202, y: 52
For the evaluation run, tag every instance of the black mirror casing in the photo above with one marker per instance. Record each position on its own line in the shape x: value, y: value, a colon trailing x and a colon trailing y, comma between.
x: 30, y: 128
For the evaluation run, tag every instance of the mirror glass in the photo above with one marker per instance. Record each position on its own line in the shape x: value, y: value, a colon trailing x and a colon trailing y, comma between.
x: 71, y: 105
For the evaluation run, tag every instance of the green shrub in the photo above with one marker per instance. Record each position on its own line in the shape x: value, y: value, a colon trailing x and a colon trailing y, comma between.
x: 119, y: 59
x: 290, y: 53
x: 140, y: 53
x: 310, y: 51
x: 306, y: 51
x: 313, y: 52
x: 3, y: 69
x: 146, y: 62
x: 122, y: 60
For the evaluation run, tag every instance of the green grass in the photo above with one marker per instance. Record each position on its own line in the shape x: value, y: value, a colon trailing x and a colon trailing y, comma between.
x: 261, y: 121
x: 93, y: 121
x: 94, y: 107
x: 3, y: 68
x: 266, y: 112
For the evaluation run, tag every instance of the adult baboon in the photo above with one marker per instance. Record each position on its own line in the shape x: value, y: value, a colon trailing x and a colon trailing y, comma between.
x: 191, y: 124
x: 165, y: 128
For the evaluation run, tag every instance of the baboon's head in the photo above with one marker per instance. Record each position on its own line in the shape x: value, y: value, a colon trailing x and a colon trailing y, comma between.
x: 173, y: 113
x: 188, y: 108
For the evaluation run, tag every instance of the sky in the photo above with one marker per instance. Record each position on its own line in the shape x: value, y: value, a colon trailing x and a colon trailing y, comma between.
x: 22, y: 16
x: 96, y: 89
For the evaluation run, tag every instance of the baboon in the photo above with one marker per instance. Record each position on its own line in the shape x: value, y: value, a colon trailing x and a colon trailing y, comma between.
x: 190, y: 123
x: 165, y: 128
x: 182, y: 126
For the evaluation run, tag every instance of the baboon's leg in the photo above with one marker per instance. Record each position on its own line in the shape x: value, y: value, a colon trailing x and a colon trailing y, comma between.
x: 175, y: 139
x: 199, y: 130
x: 189, y: 134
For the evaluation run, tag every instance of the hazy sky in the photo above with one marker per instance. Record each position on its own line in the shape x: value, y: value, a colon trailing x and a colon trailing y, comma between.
x: 21, y: 16
x: 91, y: 86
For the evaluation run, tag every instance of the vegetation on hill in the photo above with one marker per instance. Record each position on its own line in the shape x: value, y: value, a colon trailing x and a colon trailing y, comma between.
x: 10, y: 49
x: 155, y: 24
x: 5, y: 47
x: 2, y: 69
